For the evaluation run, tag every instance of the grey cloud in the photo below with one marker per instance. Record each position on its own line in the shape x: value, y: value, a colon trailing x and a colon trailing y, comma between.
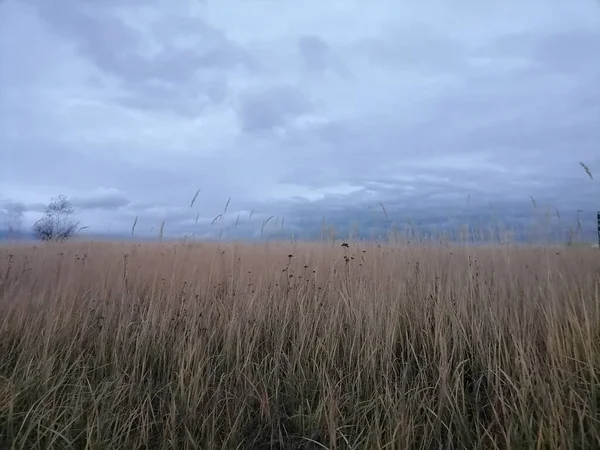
x: 313, y: 219
x: 504, y: 161
x: 177, y: 99
x: 415, y: 48
x: 570, y: 51
x: 537, y: 120
x: 13, y: 207
x: 11, y: 216
x: 567, y: 51
x: 175, y: 78
x: 439, y: 215
x: 105, y: 200
x: 315, y: 53
x: 178, y: 221
x: 430, y: 116
x: 265, y: 109
x: 117, y: 47
x: 66, y: 169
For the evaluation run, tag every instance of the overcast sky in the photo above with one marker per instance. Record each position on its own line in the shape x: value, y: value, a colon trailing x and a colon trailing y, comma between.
x: 297, y: 109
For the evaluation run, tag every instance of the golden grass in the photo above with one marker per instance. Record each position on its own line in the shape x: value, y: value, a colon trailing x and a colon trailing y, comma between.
x: 189, y: 346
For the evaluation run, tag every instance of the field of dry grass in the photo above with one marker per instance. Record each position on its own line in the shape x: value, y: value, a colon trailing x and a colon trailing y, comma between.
x: 306, y: 346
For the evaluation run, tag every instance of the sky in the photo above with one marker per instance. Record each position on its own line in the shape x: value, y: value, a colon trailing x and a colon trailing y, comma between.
x: 302, y: 111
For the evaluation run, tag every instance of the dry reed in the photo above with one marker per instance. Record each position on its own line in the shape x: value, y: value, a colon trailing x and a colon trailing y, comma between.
x: 298, y: 346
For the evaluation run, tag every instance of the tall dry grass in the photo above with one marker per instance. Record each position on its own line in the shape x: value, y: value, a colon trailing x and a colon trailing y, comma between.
x: 307, y: 346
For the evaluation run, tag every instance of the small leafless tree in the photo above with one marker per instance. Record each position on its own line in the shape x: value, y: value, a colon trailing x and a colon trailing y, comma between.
x: 57, y: 223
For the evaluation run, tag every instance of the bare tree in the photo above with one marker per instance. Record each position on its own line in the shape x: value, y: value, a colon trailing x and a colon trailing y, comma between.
x: 57, y: 223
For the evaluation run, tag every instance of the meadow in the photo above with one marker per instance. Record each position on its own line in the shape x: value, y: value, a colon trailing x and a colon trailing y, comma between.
x: 284, y: 345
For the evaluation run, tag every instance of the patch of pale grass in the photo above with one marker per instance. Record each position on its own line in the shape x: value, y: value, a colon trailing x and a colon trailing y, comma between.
x: 306, y: 346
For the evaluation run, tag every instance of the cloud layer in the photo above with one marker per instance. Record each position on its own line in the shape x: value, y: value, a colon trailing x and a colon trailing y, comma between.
x: 298, y: 110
